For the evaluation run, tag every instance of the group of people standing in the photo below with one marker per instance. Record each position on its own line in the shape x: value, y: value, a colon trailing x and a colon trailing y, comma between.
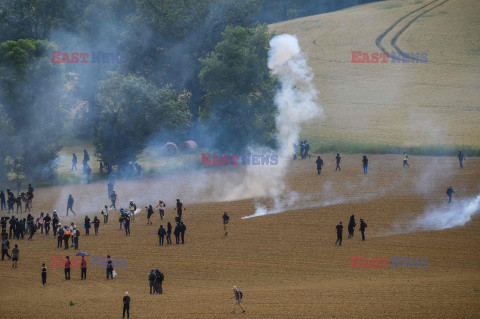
x: 351, y: 229
x: 23, y: 201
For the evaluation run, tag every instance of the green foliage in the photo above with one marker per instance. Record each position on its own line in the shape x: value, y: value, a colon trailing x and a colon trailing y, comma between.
x: 31, y: 90
x: 239, y: 89
x: 129, y: 111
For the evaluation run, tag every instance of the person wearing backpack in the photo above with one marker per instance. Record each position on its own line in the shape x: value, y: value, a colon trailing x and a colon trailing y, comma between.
x: 159, y: 281
x: 152, y: 278
x: 238, y: 295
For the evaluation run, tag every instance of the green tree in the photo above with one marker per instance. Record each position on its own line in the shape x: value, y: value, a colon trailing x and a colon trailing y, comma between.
x: 130, y: 111
x: 32, y: 91
x: 239, y: 99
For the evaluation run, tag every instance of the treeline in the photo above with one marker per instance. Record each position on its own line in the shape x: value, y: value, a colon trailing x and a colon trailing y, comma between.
x: 188, y: 69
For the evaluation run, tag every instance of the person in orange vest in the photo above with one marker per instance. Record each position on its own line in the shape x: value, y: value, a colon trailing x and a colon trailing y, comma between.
x: 83, y: 267
x: 66, y: 236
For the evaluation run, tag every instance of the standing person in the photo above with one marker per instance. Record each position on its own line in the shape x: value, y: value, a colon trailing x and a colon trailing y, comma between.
x: 86, y: 159
x: 83, y: 268
x: 152, y: 278
x: 351, y: 226
x: 5, y: 248
x: 127, y: 225
x: 405, y: 159
x: 33, y: 229
x: 132, y: 207
x: 109, y: 267
x: 307, y: 148
x: 450, y: 193
x: 461, y: 157
x: 161, y: 209
x: 44, y: 275
x: 60, y: 235
x: 365, y: 164
x: 169, y: 233
x: 302, y: 149
x: 238, y: 295
x: 88, y: 171
x: 47, y: 220
x: 182, y: 230
x: 13, y: 226
x: 363, y: 225
x: 55, y: 222
x: 159, y: 281
x: 122, y: 217
x: 74, y: 162
x: 67, y: 268
x: 226, y: 219
x: 126, y: 305
x: 105, y: 214
x: 40, y: 222
x: 319, y: 162
x: 2, y: 201
x: 179, y: 209
x: 18, y: 201
x: 15, y: 254
x: 161, y: 234
x: 87, y: 226
x: 338, y: 159
x: 96, y: 224
x: 75, y: 237
x: 339, y: 233
x: 176, y: 232
x: 113, y: 198
x: 66, y: 236
x: 70, y: 202
x: 149, y: 214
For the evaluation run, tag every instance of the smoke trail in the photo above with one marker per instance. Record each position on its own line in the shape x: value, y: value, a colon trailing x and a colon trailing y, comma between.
x: 455, y: 214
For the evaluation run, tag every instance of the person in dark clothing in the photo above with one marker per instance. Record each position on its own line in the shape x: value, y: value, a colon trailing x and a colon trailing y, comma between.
x: 226, y: 219
x: 161, y: 234
x: 176, y: 232
x: 152, y: 278
x: 161, y: 209
x: 60, y: 234
x: 13, y: 225
x: 88, y: 171
x: 5, y: 248
x: 126, y: 305
x: 11, y: 203
x: 44, y: 274
x: 4, y: 234
x: 86, y: 159
x: 127, y: 225
x: 302, y: 149
x: 96, y: 224
x: 18, y: 201
x: 149, y: 214
x: 75, y: 237
x: 363, y: 225
x: 169, y: 233
x: 365, y: 164
x: 74, y: 161
x: 33, y: 229
x: 307, y: 148
x: 339, y: 234
x: 83, y: 268
x: 20, y: 228
x: 47, y: 220
x: 3, y: 205
x: 30, y: 189
x: 67, y: 268
x: 67, y: 232
x: 109, y: 267
x: 461, y: 157
x: 15, y: 254
x: 113, y: 198
x: 55, y: 222
x: 338, y: 159
x: 182, y: 230
x: 450, y: 192
x: 70, y: 204
x: 159, y: 281
x: 179, y: 209
x: 351, y: 226
x: 87, y: 226
x: 319, y: 162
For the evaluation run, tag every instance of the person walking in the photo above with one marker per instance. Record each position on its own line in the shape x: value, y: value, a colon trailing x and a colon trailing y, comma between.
x: 339, y: 234
x: 176, y: 232
x: 461, y: 157
x: 405, y: 159
x: 15, y: 254
x: 127, y: 225
x: 70, y: 202
x: 67, y: 268
x: 365, y: 164
x: 105, y: 214
x: 109, y: 267
x: 161, y: 234
x: 44, y: 275
x: 180, y: 209
x: 338, y: 159
x: 226, y: 219
x: 113, y: 199
x: 132, y: 207
x: 159, y: 281
x: 450, y: 193
x: 40, y: 221
x: 3, y: 203
x: 87, y: 226
x: 83, y: 268
x: 238, y: 295
x: 319, y: 162
x: 169, y: 233
x: 74, y: 161
x: 126, y: 305
x: 351, y: 226
x: 47, y: 220
x: 66, y: 236
x: 363, y: 226
x: 161, y: 209
x: 182, y: 230
x: 60, y: 234
x: 5, y: 248
x: 75, y: 237
x: 152, y: 278
x: 149, y: 214
x: 96, y: 224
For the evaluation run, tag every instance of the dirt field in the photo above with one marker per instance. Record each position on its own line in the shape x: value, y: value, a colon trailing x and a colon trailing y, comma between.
x: 286, y: 264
